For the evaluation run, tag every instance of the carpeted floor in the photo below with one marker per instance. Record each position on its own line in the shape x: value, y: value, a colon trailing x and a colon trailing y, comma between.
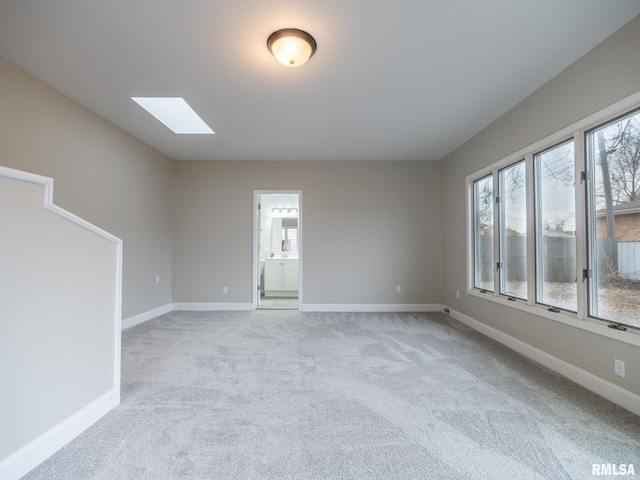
x: 291, y: 395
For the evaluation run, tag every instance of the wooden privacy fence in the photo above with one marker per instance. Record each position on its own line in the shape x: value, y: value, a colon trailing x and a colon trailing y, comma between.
x: 559, y: 260
x: 629, y: 260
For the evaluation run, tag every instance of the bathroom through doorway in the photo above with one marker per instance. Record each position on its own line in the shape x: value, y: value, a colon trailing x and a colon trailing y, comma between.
x: 277, y: 250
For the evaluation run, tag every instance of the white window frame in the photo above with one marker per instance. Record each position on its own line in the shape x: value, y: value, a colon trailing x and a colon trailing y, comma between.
x: 476, y: 265
x: 534, y: 226
x: 579, y: 319
x: 499, y: 210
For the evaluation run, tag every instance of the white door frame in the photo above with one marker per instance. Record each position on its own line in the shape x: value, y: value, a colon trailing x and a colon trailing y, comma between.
x: 256, y: 235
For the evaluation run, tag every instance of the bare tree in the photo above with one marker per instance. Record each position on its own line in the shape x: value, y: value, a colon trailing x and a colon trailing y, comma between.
x: 618, y: 155
x: 515, y: 182
x: 606, y: 184
x: 484, y: 201
x: 555, y: 224
x: 554, y: 167
x: 624, y: 163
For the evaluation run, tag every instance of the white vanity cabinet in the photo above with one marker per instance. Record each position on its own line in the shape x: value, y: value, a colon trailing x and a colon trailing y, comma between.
x: 281, y: 277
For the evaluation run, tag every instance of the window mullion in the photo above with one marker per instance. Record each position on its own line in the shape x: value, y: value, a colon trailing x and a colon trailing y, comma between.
x: 539, y: 230
x: 582, y: 262
x: 531, y: 230
x: 497, y: 226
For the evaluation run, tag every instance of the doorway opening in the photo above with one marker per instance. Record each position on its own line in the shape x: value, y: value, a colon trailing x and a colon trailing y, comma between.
x: 277, y: 240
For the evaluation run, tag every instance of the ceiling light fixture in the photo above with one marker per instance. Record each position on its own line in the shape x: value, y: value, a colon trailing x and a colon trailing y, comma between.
x: 291, y: 47
x: 284, y: 210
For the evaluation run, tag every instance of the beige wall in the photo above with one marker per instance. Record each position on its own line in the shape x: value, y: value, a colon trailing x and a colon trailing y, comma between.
x: 101, y: 174
x: 366, y: 226
x: 607, y: 74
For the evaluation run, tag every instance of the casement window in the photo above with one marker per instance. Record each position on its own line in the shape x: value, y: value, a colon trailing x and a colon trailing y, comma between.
x: 555, y: 228
x: 483, y: 270
x: 613, y: 193
x: 512, y: 207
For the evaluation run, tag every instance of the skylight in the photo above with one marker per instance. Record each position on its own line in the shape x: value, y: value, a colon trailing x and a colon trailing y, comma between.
x: 175, y: 114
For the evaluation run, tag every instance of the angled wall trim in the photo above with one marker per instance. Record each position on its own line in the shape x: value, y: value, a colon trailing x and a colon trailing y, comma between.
x: 70, y: 271
x: 47, y: 201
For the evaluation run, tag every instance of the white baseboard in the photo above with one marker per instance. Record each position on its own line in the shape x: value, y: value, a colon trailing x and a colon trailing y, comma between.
x: 307, y: 307
x: 371, y: 307
x: 602, y: 387
x: 31, y: 455
x: 143, y: 317
x: 219, y: 307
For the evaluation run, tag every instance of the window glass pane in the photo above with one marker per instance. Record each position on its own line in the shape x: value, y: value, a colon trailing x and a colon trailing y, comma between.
x: 289, y: 234
x: 289, y: 239
x: 513, y: 231
x: 556, y: 227
x: 614, y: 205
x: 483, y: 233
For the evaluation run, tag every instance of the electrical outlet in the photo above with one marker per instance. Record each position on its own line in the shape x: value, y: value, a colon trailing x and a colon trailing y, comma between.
x: 398, y: 288
x: 457, y: 293
x: 157, y: 279
x: 446, y: 310
x: 225, y: 290
x: 618, y: 367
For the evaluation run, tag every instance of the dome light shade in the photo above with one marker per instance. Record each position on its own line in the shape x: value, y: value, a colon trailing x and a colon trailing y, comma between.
x: 291, y: 47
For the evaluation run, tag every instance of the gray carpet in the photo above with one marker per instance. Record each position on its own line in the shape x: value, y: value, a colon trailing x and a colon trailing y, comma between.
x: 285, y: 394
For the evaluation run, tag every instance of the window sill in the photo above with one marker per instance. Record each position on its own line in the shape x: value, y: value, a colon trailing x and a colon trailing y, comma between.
x: 599, y: 327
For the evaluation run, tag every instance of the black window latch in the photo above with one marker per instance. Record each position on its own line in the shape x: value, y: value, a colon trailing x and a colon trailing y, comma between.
x: 617, y: 326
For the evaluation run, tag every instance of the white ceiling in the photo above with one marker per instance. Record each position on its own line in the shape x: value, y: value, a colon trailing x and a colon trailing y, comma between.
x: 403, y: 80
